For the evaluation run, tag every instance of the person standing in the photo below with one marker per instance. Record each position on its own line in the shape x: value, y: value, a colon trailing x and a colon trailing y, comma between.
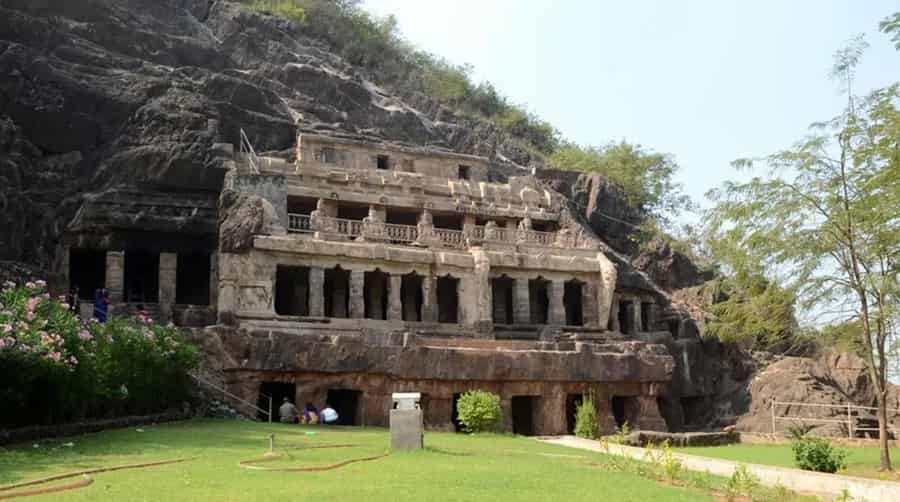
x: 101, y: 304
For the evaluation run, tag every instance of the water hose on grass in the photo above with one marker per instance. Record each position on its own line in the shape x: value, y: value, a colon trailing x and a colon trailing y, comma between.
x: 272, y: 456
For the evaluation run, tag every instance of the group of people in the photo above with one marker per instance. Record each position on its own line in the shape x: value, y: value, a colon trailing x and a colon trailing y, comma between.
x: 289, y: 414
x: 101, y: 303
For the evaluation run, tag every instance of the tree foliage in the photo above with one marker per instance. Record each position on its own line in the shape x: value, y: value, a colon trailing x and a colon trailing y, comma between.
x: 891, y: 27
x: 824, y: 217
x: 479, y: 411
x: 647, y: 177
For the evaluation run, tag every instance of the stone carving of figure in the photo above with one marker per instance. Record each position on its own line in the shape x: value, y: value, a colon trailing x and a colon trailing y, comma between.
x: 317, y: 221
x: 564, y: 238
x: 425, y: 229
x: 490, y: 231
x: 524, y: 228
x: 373, y: 225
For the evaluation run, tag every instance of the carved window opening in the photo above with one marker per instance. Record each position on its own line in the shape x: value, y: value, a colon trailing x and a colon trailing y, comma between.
x: 502, y: 293
x: 383, y: 162
x: 465, y: 172
x: 573, y: 301
x: 411, y: 297
x: 337, y: 292
x: 646, y: 317
x: 448, y: 299
x: 539, y: 299
x: 375, y: 294
x: 192, y: 279
x: 141, y: 277
x: 292, y: 290
x: 625, y: 324
x: 524, y: 409
x: 408, y: 165
x: 87, y: 271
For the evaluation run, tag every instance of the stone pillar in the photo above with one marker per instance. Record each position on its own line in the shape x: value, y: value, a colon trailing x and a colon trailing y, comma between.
x: 651, y: 317
x: 481, y: 294
x: 589, y: 305
x: 606, y: 420
x: 635, y: 314
x: 557, y: 313
x: 648, y: 415
x: 551, y: 417
x: 395, y: 303
x: 606, y: 307
x: 614, y: 315
x: 357, y: 294
x: 521, y: 302
x: 115, y: 275
x: 429, y: 299
x: 316, y: 291
x: 168, y: 270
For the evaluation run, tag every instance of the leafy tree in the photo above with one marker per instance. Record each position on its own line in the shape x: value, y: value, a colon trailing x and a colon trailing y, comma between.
x: 824, y: 215
x: 891, y: 26
x: 648, y: 178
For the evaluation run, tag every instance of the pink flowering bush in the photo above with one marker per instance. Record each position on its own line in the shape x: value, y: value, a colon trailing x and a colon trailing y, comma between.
x: 56, y: 367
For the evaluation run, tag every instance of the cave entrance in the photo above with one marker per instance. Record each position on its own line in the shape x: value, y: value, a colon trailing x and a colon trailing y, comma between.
x: 454, y: 413
x: 523, y: 412
x: 346, y: 403
x: 502, y: 297
x: 624, y: 410
x: 573, y: 301
x: 141, y: 277
x: 573, y: 401
x: 277, y: 391
x: 539, y: 300
x: 87, y: 271
x: 291, y: 290
x: 411, y: 297
x: 448, y: 299
x: 192, y: 279
x: 624, y: 318
x: 375, y: 294
x: 336, y: 291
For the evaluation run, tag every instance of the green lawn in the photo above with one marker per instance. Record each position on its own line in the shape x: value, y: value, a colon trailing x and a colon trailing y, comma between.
x: 861, y: 460
x: 453, y: 467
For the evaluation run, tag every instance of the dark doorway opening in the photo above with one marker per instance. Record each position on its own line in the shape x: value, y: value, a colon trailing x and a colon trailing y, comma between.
x: 192, y: 279
x: 624, y: 410
x: 573, y: 301
x: 383, y: 162
x: 411, y: 297
x: 539, y: 300
x: 624, y: 318
x: 523, y: 410
x: 646, y: 318
x: 502, y: 293
x: 465, y: 172
x: 337, y: 292
x: 573, y: 401
x: 87, y: 271
x: 401, y: 217
x: 448, y: 299
x: 346, y: 403
x: 375, y: 294
x: 448, y: 221
x: 454, y: 413
x: 352, y: 212
x: 141, y: 277
x: 673, y: 325
x: 277, y: 391
x: 301, y: 205
x: 545, y: 226
x: 291, y: 290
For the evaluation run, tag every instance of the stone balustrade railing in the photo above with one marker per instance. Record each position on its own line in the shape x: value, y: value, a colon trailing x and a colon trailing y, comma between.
x: 425, y: 235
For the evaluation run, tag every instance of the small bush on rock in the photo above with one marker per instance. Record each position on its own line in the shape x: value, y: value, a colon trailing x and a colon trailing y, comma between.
x: 817, y: 454
x: 479, y: 411
x: 586, y: 423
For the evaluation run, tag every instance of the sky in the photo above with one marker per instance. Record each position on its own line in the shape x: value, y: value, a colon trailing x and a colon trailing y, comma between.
x: 705, y: 81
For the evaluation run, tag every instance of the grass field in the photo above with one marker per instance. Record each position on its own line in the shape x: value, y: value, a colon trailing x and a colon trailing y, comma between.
x: 452, y: 467
x: 861, y: 460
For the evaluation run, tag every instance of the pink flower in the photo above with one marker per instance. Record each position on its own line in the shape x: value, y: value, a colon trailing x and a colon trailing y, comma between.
x: 6, y: 328
x: 40, y: 283
x: 32, y: 303
x: 30, y: 285
x: 29, y: 316
x: 2, y: 343
x: 55, y: 356
x: 73, y: 360
x: 85, y: 335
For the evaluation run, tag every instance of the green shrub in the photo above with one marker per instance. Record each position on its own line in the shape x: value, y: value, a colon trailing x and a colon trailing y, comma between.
x: 479, y: 411
x: 742, y: 482
x: 586, y: 423
x: 817, y: 454
x: 56, y: 368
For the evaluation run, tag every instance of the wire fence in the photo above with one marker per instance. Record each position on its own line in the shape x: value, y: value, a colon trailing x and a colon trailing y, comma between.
x: 845, y: 415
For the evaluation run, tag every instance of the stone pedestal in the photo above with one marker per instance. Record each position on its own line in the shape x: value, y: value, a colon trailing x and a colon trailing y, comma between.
x: 407, y: 429
x: 395, y: 302
x: 316, y: 292
x: 168, y: 270
x: 557, y: 313
x: 115, y: 275
x: 357, y: 294
x: 521, y: 302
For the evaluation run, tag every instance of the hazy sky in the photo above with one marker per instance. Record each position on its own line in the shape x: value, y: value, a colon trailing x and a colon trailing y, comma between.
x: 705, y: 81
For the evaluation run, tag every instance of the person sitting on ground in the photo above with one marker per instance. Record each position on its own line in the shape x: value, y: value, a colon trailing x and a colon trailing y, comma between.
x: 310, y: 415
x: 287, y: 412
x: 329, y: 416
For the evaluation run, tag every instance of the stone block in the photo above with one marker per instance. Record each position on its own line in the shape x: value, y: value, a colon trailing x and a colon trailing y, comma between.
x: 407, y: 429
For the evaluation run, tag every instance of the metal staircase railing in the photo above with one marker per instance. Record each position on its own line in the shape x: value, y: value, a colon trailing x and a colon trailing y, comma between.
x: 247, y: 148
x: 213, y: 386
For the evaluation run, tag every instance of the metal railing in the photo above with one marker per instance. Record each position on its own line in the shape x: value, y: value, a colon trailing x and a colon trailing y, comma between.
x: 846, y: 410
x: 247, y: 148
x: 299, y: 223
x: 213, y: 386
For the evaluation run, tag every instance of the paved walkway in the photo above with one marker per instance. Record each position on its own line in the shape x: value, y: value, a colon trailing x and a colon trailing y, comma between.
x: 829, y: 485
